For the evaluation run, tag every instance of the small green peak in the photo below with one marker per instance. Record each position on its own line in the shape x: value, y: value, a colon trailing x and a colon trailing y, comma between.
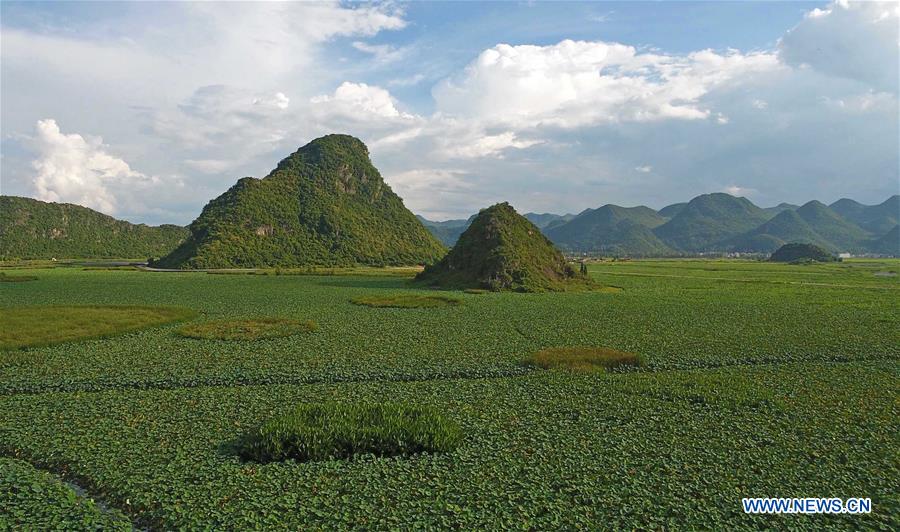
x: 328, y: 151
x: 802, y: 252
x: 502, y: 250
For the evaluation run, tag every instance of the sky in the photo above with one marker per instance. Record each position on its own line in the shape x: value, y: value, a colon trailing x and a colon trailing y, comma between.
x: 146, y: 111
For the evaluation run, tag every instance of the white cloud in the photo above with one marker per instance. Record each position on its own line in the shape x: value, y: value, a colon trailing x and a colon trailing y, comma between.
x: 74, y: 169
x: 408, y: 81
x: 220, y: 122
x: 578, y: 83
x: 210, y: 166
x: 218, y: 91
x: 355, y: 98
x: 735, y: 190
x: 482, y: 145
x: 382, y: 53
x: 278, y: 100
x: 855, y: 40
x: 436, y: 193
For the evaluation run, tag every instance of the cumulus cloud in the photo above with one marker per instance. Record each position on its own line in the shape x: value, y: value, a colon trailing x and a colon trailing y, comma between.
x: 73, y: 169
x: 855, y: 40
x: 354, y: 98
x: 579, y: 83
x: 559, y: 126
x: 483, y: 145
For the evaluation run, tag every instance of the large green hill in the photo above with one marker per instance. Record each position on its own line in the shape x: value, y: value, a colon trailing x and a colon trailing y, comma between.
x: 32, y: 229
x: 877, y: 219
x: 323, y: 205
x: 707, y: 221
x: 787, y: 226
x: 502, y: 250
x: 843, y: 234
x: 612, y: 229
x: 888, y: 244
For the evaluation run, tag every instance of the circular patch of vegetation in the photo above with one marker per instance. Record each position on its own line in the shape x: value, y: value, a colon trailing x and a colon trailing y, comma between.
x: 584, y: 359
x: 46, y: 325
x: 252, y: 329
x: 327, y: 431
x: 4, y: 278
x: 407, y: 301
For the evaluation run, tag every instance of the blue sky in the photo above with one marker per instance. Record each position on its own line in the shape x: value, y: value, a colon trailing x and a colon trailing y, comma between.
x: 146, y: 110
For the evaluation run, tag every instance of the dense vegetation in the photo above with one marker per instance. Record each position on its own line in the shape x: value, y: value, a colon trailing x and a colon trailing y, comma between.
x: 32, y: 229
x: 31, y: 499
x: 252, y: 329
x: 613, y: 230
x: 716, y: 223
x: 329, y: 431
x: 407, y: 301
x: 325, y: 205
x: 501, y: 250
x: 709, y: 220
x: 740, y: 357
x: 801, y: 252
x: 877, y: 219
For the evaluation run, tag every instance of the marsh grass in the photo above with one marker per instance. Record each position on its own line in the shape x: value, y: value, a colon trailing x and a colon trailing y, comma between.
x: 407, y: 301
x: 47, y: 325
x: 251, y: 329
x: 583, y: 359
x: 326, y: 431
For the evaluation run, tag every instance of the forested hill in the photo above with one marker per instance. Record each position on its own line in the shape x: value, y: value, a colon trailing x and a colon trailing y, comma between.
x: 32, y: 229
x: 325, y: 204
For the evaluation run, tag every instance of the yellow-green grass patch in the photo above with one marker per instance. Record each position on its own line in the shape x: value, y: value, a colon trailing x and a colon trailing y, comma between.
x: 584, y: 359
x: 47, y: 325
x: 328, y: 431
x: 250, y: 329
x: 407, y: 301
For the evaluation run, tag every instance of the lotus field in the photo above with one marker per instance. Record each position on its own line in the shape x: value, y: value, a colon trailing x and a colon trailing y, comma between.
x: 357, y: 399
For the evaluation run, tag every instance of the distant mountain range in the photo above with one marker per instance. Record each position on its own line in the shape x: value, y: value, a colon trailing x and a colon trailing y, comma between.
x: 715, y: 223
x: 709, y: 223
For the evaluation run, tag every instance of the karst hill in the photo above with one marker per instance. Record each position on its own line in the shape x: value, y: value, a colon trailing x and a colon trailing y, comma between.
x: 324, y: 205
x: 502, y: 250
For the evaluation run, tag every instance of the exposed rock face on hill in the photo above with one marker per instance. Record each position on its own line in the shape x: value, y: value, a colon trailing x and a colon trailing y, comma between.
x: 795, y: 252
x: 32, y: 229
x: 323, y: 205
x: 501, y: 250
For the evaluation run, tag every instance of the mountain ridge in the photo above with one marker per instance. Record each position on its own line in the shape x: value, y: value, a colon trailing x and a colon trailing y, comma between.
x: 34, y: 229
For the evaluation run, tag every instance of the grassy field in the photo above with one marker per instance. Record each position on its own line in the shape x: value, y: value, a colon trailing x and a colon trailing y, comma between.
x: 758, y: 380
